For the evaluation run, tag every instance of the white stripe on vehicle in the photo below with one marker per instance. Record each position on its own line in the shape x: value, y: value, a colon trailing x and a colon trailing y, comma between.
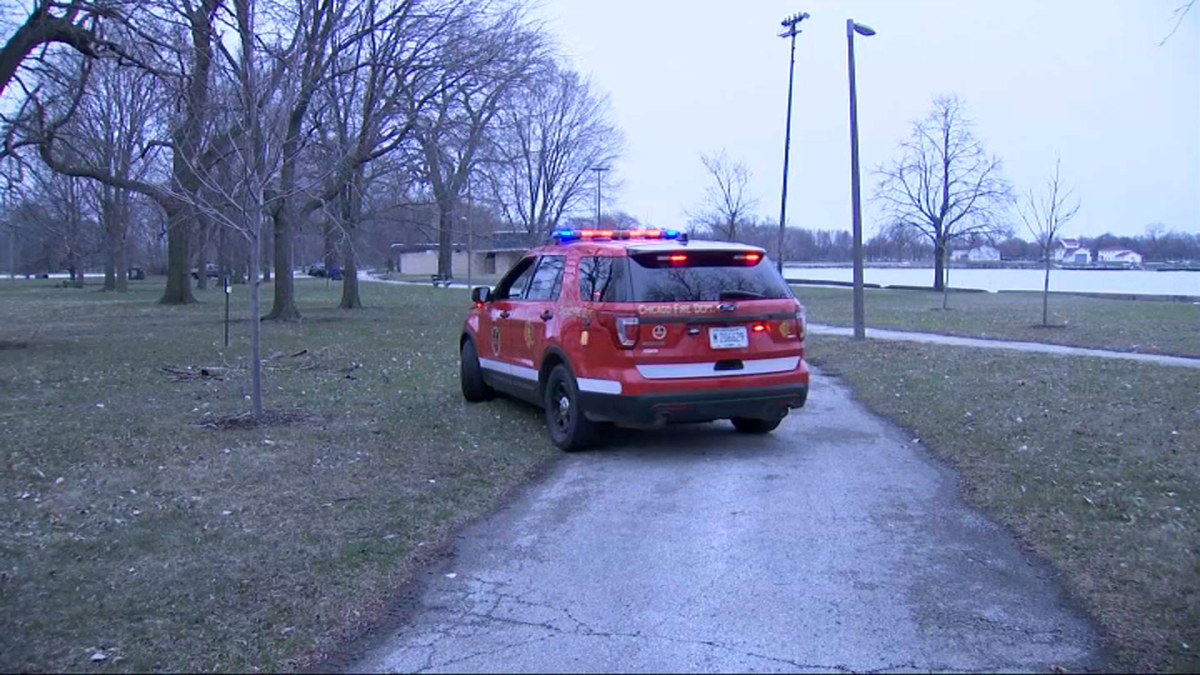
x: 599, y: 386
x: 667, y: 371
x: 585, y: 383
x: 509, y: 369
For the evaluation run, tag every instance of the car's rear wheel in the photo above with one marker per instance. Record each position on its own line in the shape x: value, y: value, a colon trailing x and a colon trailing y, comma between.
x: 749, y: 425
x: 474, y: 389
x: 569, y: 429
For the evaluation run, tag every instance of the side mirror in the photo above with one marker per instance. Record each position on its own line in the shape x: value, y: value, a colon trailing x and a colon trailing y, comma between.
x: 481, y: 295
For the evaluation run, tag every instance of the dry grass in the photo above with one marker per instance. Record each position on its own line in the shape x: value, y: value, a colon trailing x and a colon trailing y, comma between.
x: 1094, y: 463
x: 1123, y: 325
x: 145, y: 519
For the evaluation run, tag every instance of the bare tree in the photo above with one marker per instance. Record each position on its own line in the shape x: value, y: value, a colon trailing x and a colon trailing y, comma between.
x: 550, y: 136
x: 68, y: 22
x: 944, y: 184
x: 488, y: 60
x: 1044, y: 214
x: 1179, y: 13
x: 727, y: 206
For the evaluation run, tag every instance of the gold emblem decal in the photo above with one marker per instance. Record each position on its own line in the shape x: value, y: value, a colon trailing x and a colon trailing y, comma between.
x: 529, y: 335
x: 659, y: 332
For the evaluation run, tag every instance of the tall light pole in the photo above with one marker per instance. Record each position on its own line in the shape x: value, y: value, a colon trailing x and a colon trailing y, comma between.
x: 860, y: 328
x: 598, y: 170
x: 790, y: 31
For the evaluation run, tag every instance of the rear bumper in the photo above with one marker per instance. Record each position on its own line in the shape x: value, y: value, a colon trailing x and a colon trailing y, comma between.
x: 658, y: 409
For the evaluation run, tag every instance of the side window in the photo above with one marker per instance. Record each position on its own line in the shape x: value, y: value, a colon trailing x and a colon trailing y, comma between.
x: 602, y: 279
x: 512, y: 286
x: 547, y: 280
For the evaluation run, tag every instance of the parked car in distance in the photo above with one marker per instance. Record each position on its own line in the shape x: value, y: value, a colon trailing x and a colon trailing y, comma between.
x: 335, y: 273
x: 316, y: 269
x: 210, y: 270
x: 137, y: 273
x: 640, y: 328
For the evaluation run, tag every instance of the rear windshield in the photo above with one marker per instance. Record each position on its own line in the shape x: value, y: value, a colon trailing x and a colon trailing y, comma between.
x: 681, y: 276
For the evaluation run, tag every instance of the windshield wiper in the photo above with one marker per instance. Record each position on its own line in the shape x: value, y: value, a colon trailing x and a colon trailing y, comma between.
x: 735, y: 294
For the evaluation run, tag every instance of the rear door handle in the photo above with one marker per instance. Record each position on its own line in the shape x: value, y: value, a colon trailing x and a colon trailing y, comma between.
x: 505, y: 314
x: 547, y: 315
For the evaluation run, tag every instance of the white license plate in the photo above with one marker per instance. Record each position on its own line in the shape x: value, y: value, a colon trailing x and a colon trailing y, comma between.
x: 728, y: 338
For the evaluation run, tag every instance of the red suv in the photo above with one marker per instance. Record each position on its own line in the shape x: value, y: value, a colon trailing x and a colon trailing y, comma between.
x: 638, y: 328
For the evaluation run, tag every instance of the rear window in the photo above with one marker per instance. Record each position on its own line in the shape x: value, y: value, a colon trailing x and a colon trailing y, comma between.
x: 694, y: 276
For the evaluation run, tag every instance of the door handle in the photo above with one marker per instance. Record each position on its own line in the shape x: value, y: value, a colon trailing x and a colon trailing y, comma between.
x: 547, y: 315
x: 505, y: 314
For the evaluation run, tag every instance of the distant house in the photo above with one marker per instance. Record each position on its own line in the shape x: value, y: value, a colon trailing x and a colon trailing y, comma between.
x: 1072, y: 251
x: 977, y: 254
x: 1120, y: 255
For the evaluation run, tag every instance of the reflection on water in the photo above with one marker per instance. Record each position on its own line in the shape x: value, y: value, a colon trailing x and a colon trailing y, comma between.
x: 1098, y: 281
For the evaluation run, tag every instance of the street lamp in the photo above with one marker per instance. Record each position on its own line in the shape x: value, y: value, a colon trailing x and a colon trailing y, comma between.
x: 598, y: 169
x: 790, y: 31
x: 860, y: 329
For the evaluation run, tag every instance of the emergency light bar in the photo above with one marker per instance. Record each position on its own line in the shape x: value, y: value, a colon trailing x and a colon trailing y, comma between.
x: 569, y: 236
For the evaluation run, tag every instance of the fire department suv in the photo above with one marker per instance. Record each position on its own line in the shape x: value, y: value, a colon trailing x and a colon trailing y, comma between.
x: 638, y: 328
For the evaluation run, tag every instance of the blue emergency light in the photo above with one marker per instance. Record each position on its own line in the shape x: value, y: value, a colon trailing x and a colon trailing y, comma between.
x: 569, y: 236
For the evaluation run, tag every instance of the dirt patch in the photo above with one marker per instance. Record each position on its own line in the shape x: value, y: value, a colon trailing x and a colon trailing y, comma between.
x: 13, y: 344
x: 269, y: 418
x: 1053, y: 326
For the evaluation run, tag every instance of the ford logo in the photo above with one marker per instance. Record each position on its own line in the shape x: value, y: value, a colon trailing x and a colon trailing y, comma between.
x: 727, y: 307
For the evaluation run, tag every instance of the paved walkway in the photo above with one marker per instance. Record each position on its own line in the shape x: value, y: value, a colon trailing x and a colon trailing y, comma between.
x: 834, y: 545
x: 935, y: 338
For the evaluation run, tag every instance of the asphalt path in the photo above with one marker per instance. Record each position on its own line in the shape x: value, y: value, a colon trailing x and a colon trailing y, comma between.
x: 834, y: 544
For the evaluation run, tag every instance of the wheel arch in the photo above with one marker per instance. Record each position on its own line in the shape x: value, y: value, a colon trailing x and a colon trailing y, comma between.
x: 553, y: 357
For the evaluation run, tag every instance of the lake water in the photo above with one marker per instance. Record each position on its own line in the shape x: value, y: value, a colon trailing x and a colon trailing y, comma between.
x: 1094, y: 281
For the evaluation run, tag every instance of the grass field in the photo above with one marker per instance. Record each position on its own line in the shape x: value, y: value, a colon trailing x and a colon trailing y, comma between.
x: 1122, y: 325
x: 1094, y: 463
x: 143, y: 522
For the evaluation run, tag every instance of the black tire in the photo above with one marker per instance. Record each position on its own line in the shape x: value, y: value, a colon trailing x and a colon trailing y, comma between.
x: 570, y: 429
x: 474, y: 389
x: 749, y: 425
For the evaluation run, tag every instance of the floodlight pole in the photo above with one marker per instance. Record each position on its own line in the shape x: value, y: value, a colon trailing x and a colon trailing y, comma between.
x: 860, y: 329
x: 790, y: 31
x: 598, y: 170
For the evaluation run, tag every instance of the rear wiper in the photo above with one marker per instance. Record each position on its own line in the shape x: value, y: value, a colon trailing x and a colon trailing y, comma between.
x: 732, y: 295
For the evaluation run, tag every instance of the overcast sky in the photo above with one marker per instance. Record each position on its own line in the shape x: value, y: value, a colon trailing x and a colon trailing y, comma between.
x: 1086, y: 80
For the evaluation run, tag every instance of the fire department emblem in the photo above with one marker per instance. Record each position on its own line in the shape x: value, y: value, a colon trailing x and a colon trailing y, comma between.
x: 495, y: 340
x: 529, y: 334
x: 659, y: 332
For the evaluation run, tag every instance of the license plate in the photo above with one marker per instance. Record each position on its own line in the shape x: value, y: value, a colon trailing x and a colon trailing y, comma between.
x: 728, y: 338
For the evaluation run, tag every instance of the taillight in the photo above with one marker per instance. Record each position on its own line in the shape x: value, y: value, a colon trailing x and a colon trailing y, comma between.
x: 794, y: 328
x: 759, y: 327
x: 626, y: 331
x: 623, y: 328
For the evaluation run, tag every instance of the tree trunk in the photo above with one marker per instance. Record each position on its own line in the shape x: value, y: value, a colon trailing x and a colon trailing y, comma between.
x: 204, y: 227
x: 329, y: 244
x: 1046, y: 295
x: 445, y: 238
x: 179, y: 286
x: 939, y: 248
x: 264, y: 257
x: 284, y: 306
x: 110, y: 275
x: 946, y: 284
x: 351, y: 210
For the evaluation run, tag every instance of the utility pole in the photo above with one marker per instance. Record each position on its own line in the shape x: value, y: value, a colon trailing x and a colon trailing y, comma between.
x: 470, y: 233
x: 598, y: 170
x: 860, y: 328
x: 790, y: 31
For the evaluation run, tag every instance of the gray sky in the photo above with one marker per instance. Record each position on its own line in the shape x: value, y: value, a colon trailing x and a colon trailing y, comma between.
x: 1083, y: 79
